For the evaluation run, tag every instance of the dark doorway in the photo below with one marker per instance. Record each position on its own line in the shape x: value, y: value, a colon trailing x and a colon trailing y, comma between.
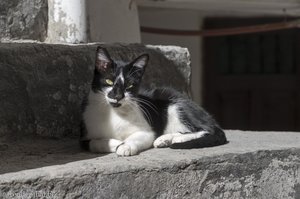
x: 252, y: 81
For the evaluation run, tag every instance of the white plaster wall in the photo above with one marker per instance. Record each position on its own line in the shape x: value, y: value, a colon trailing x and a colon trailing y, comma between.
x: 177, y: 19
x: 81, y: 21
x: 113, y: 21
x: 67, y: 21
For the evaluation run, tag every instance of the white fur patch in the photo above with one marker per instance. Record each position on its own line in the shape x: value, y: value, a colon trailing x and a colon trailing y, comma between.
x: 173, y: 138
x: 125, y: 124
x: 165, y: 140
x: 174, y: 125
x: 111, y: 100
x: 121, y: 77
x: 106, y: 91
x: 136, y: 142
x: 188, y: 137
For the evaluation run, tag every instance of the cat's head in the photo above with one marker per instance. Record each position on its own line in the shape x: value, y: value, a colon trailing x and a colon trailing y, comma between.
x: 119, y: 81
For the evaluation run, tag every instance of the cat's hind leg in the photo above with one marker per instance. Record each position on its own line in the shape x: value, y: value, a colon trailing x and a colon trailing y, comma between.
x: 195, y: 140
x: 165, y: 140
x: 104, y: 145
x: 177, y: 139
x: 188, y: 136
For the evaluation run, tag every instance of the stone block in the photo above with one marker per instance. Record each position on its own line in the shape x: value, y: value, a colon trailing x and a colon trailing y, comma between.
x: 42, y: 85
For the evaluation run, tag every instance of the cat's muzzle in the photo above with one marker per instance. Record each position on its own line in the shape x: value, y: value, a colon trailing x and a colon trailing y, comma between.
x: 115, y: 104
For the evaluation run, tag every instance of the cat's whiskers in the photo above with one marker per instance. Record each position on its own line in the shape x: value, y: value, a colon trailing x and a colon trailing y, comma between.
x: 131, y: 102
x: 147, y: 103
x: 145, y: 111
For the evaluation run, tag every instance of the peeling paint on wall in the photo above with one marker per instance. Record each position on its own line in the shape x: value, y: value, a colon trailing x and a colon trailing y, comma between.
x: 67, y: 21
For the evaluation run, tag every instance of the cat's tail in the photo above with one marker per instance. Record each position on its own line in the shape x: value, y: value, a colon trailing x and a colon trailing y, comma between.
x: 207, y: 140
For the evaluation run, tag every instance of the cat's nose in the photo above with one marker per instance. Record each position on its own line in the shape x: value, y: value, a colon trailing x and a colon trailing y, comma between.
x: 119, y: 97
x: 116, y: 94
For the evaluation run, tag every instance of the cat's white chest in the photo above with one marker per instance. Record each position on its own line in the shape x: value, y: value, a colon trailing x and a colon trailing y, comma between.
x: 122, y: 125
x: 103, y: 121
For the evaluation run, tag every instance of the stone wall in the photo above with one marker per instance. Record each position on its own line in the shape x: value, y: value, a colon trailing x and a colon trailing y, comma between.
x: 23, y: 19
x: 42, y: 85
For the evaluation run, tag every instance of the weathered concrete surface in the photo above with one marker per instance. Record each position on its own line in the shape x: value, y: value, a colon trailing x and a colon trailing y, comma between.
x: 260, y: 165
x: 23, y: 19
x: 42, y: 85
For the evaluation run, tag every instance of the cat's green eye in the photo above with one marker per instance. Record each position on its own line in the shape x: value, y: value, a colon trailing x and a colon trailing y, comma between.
x: 130, y: 86
x: 109, y: 82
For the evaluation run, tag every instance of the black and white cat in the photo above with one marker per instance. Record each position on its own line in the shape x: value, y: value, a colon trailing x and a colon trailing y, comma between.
x: 120, y: 117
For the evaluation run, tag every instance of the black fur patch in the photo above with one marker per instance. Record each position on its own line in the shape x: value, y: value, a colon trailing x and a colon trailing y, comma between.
x: 155, y: 112
x: 190, y: 114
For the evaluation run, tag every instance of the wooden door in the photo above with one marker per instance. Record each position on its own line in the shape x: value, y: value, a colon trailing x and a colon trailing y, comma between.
x: 251, y: 81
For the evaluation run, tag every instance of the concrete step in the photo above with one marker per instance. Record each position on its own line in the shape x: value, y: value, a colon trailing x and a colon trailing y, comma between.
x: 252, y: 165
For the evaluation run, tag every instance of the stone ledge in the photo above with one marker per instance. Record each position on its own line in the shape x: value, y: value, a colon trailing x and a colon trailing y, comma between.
x: 251, y: 165
x: 45, y: 83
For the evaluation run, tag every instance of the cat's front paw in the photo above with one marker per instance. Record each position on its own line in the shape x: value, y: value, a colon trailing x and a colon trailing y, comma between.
x: 162, y: 141
x: 126, y: 150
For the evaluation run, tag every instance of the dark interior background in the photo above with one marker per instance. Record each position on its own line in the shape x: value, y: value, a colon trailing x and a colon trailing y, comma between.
x: 251, y: 81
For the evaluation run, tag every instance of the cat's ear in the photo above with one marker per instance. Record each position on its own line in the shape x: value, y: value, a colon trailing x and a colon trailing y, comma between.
x: 141, y: 61
x: 103, y: 60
